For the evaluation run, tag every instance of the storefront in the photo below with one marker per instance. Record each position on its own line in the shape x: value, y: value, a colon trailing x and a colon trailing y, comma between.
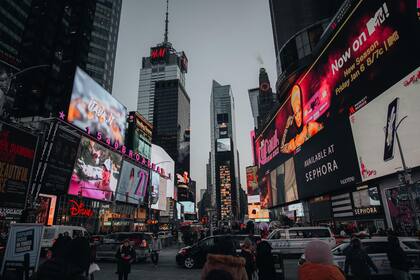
x: 117, y: 217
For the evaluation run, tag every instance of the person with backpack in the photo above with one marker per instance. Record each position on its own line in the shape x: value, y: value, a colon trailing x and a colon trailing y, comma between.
x: 126, y: 255
x: 358, y: 261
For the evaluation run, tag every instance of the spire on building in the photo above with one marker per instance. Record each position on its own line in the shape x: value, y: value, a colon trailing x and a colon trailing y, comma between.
x: 166, y: 22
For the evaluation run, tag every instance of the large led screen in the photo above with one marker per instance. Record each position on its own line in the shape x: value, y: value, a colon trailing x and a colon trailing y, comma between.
x: 132, y: 185
x: 95, y: 110
x: 223, y: 145
x: 370, y: 51
x: 374, y: 129
x: 161, y: 200
x: 96, y: 171
x: 189, y: 207
x: 161, y: 158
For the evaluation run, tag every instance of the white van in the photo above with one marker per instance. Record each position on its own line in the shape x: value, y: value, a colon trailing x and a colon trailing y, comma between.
x: 51, y: 234
x: 294, y: 240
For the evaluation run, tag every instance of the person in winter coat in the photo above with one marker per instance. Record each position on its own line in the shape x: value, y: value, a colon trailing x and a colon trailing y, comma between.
x: 155, y: 247
x: 248, y: 254
x: 235, y: 266
x: 79, y: 253
x: 125, y: 256
x: 265, y: 263
x: 319, y: 263
x: 400, y: 264
x: 358, y: 261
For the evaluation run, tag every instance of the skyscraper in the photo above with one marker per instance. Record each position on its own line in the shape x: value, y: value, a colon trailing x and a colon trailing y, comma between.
x: 164, y: 63
x: 224, y: 157
x: 103, y: 43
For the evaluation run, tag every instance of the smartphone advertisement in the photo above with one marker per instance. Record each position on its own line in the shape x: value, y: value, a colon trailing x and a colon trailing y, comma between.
x: 376, y: 126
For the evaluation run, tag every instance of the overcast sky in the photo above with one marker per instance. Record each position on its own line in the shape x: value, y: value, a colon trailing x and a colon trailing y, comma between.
x: 223, y: 40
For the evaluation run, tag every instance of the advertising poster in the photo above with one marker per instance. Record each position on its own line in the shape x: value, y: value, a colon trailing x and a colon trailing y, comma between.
x: 283, y: 183
x: 155, y: 189
x: 7, y: 92
x: 23, y: 239
x: 188, y: 207
x: 327, y: 163
x: 96, y: 171
x: 366, y: 202
x: 374, y: 126
x: 161, y: 158
x: 266, y: 197
x: 368, y: 53
x: 96, y: 111
x: 252, y: 184
x: 161, y: 201
x: 17, y: 151
x: 133, y: 183
x: 256, y: 213
x: 61, y: 162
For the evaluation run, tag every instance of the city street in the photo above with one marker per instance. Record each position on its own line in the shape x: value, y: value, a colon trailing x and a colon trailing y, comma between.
x: 168, y: 269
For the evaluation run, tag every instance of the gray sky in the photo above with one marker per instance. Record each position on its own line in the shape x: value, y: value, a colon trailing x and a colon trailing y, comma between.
x: 222, y: 40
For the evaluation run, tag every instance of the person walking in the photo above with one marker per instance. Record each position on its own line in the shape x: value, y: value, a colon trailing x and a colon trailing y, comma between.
x: 248, y: 254
x: 358, y: 261
x: 399, y: 262
x: 319, y: 263
x: 265, y: 263
x: 156, y: 246
x: 125, y: 256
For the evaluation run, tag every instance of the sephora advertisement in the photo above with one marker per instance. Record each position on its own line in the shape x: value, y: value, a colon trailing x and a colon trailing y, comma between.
x: 374, y: 129
x: 61, y: 162
x: 132, y: 185
x: 95, y: 110
x: 327, y: 163
x: 17, y: 151
x: 372, y: 50
x: 96, y: 171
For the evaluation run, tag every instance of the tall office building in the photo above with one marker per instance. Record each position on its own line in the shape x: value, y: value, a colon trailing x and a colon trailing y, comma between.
x: 171, y: 122
x: 224, y: 157
x: 164, y: 63
x: 103, y: 43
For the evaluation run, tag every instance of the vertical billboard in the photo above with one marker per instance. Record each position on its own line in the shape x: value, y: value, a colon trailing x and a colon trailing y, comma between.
x: 374, y: 129
x: 162, y: 160
x: 161, y: 201
x: 96, y: 171
x: 133, y: 183
x: 7, y: 93
x: 252, y: 184
x: 17, y: 152
x: 60, y: 162
x: 95, y: 110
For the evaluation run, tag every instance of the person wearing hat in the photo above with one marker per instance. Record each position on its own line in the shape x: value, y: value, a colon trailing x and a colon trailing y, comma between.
x: 126, y: 255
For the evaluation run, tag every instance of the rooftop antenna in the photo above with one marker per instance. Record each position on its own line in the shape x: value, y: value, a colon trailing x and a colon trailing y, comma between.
x: 166, y: 22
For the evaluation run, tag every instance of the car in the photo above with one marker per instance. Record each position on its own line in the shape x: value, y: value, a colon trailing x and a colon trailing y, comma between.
x: 108, y: 247
x: 292, y: 241
x: 376, y: 248
x: 196, y: 255
x: 96, y: 239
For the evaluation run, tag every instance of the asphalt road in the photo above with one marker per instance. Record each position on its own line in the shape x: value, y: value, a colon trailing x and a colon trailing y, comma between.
x: 168, y: 269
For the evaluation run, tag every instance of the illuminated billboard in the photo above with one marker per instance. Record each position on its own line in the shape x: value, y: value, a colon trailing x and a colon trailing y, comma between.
x: 223, y: 145
x: 374, y: 127
x: 252, y: 184
x: 96, y: 111
x: 189, y: 207
x: 96, y: 171
x: 132, y: 185
x: 161, y: 195
x: 256, y: 213
x: 162, y: 160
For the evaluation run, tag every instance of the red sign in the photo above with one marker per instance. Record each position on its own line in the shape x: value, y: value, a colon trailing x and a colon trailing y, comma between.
x: 158, y: 53
x: 78, y: 209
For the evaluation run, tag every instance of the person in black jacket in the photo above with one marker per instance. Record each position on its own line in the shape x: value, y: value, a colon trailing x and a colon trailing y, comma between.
x: 265, y: 263
x: 358, y: 261
x: 125, y: 256
x: 249, y: 256
x: 400, y: 264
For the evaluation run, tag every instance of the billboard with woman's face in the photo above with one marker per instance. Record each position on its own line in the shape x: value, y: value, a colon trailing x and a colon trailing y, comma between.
x: 132, y: 185
x: 95, y: 110
x: 96, y: 171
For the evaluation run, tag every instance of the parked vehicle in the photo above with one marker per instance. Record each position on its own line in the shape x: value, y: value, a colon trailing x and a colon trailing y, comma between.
x: 196, y: 255
x: 294, y: 240
x: 376, y: 248
x: 96, y: 239
x: 140, y: 240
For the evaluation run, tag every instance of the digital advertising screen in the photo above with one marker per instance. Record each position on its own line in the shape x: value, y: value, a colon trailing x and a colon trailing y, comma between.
x: 132, y: 185
x: 223, y: 145
x: 162, y: 159
x: 96, y: 111
x: 252, y: 184
x: 374, y: 129
x: 17, y: 152
x: 189, y: 207
x: 7, y: 93
x: 161, y: 195
x: 96, y: 171
x: 367, y: 201
x: 178, y: 211
x: 283, y: 183
x: 61, y: 162
x: 256, y: 213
